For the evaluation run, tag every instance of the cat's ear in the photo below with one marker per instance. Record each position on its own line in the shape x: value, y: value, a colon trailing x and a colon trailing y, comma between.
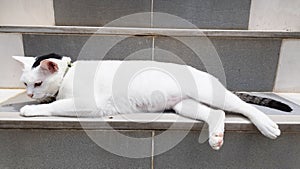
x: 49, y: 66
x: 26, y: 61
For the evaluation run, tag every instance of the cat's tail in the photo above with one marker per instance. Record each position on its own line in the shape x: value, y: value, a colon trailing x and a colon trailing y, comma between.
x: 267, y: 102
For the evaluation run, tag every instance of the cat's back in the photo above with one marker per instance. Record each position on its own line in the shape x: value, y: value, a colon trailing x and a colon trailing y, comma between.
x: 117, y: 65
x: 115, y: 69
x: 105, y: 72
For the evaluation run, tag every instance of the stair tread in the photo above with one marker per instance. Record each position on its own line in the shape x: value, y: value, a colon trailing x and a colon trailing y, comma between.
x: 10, y: 118
x: 148, y: 31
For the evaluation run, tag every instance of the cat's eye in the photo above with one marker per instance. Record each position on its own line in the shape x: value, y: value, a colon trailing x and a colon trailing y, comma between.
x: 38, y: 84
x: 25, y: 84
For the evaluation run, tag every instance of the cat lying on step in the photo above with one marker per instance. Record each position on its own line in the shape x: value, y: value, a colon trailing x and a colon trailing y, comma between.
x: 136, y: 86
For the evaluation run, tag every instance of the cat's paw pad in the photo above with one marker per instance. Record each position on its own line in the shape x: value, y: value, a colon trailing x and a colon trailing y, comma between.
x: 267, y: 127
x: 216, y: 141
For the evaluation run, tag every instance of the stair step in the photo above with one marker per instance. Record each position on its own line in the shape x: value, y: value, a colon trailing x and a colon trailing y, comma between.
x: 148, y: 31
x: 249, y: 58
x: 225, y: 14
x: 10, y: 106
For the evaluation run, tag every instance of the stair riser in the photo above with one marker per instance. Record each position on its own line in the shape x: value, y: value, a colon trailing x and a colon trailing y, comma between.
x: 74, y: 149
x: 250, y: 63
x: 213, y: 14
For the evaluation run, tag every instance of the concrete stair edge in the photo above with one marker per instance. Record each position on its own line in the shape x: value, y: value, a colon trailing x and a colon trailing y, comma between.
x: 149, y: 31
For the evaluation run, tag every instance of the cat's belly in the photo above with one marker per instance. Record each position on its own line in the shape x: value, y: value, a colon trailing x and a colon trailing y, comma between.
x: 142, y: 103
x: 145, y: 96
x: 147, y: 88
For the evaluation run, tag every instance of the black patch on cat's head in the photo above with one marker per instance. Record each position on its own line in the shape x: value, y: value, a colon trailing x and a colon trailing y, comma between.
x: 38, y: 59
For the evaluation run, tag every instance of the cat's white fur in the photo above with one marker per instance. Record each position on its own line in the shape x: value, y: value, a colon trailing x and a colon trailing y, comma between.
x: 154, y: 87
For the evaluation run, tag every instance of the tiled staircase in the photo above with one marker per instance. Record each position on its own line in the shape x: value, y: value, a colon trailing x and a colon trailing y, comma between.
x: 249, y: 45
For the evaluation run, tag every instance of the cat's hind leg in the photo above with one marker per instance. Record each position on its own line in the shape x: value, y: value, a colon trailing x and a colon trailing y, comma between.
x: 213, y: 93
x: 264, y: 124
x: 214, y: 118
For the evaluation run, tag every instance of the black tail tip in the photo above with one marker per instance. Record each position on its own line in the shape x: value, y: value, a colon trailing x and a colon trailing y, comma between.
x: 287, y: 109
x: 280, y: 106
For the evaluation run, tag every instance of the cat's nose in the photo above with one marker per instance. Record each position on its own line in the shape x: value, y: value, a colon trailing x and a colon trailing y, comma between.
x: 30, y: 95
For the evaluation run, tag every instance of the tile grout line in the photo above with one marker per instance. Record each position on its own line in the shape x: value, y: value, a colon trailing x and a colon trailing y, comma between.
x: 151, y: 16
x: 152, y: 51
x: 151, y: 25
x: 152, y: 150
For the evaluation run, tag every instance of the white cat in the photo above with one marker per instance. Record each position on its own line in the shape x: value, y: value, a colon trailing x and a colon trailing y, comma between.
x: 101, y: 88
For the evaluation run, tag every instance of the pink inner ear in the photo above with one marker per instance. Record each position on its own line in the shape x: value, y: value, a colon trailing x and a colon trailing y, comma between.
x: 49, y: 65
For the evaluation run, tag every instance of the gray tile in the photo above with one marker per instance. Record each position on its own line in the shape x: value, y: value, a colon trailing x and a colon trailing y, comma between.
x: 240, y: 150
x: 89, y: 47
x: 65, y: 149
x: 69, y: 45
x: 131, y: 48
x: 172, y: 49
x: 248, y: 64
x: 213, y: 14
x: 100, y: 13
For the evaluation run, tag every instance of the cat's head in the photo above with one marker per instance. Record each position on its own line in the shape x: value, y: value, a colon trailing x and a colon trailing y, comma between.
x: 42, y: 76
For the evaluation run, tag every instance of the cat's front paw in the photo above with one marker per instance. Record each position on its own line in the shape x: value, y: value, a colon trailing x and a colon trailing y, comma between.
x: 33, y: 110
